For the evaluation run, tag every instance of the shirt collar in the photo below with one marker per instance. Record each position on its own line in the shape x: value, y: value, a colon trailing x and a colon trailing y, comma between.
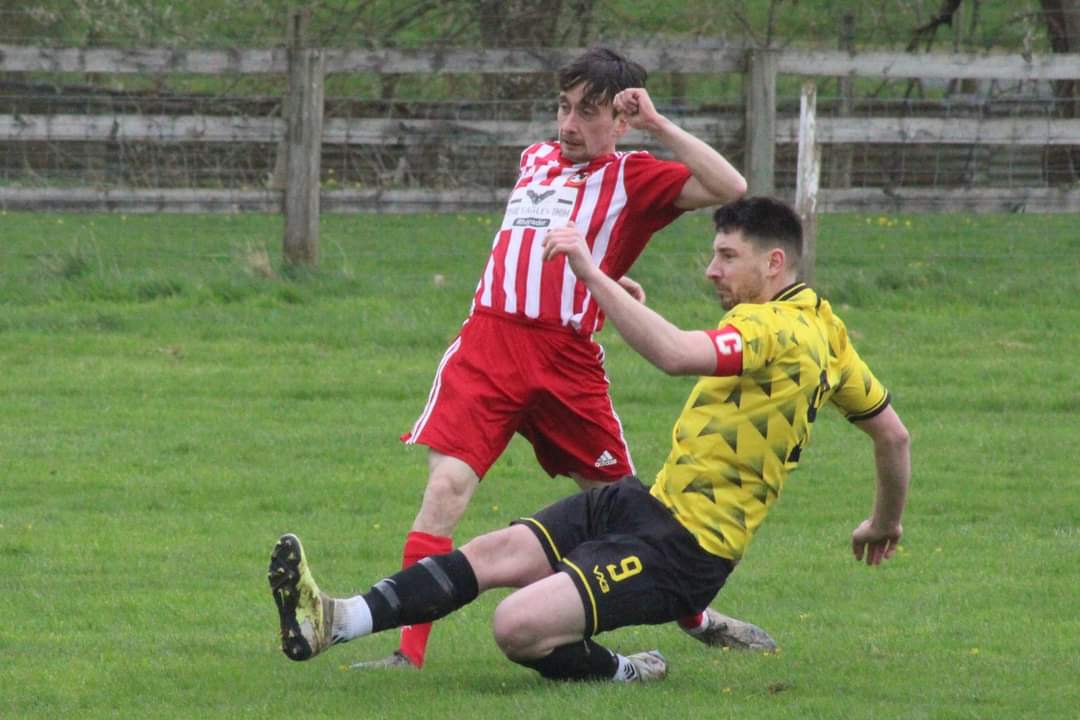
x: 790, y: 291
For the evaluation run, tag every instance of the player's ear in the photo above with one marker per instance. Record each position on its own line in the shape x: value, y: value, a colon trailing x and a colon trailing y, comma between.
x: 777, y: 260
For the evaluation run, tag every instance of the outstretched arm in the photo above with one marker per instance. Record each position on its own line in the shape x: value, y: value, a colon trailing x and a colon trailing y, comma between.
x: 675, y: 351
x: 876, y: 537
x: 713, y: 180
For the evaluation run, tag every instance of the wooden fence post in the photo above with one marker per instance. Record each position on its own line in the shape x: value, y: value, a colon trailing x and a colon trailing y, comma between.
x: 760, y: 91
x: 809, y: 171
x: 841, y: 153
x: 303, y: 139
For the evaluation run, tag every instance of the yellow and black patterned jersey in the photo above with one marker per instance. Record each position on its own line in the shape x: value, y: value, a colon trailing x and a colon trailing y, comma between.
x: 739, y: 436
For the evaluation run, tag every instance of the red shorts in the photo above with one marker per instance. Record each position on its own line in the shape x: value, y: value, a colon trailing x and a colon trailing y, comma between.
x: 500, y: 377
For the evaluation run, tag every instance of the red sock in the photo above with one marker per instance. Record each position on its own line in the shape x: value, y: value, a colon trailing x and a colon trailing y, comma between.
x: 419, y: 545
x: 692, y: 622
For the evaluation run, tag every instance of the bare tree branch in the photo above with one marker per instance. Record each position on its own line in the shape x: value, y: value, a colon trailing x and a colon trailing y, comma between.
x: 929, y: 30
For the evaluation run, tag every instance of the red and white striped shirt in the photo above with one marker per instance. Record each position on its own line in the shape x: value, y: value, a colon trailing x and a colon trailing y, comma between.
x: 620, y: 200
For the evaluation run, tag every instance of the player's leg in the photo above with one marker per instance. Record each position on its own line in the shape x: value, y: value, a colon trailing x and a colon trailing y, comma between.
x: 468, y: 421
x: 451, y: 484
x: 585, y: 483
x: 644, y: 568
x: 312, y: 621
x: 543, y: 627
x: 718, y: 630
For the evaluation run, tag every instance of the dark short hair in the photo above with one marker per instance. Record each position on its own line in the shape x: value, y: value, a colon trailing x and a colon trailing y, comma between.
x: 764, y: 221
x: 604, y: 72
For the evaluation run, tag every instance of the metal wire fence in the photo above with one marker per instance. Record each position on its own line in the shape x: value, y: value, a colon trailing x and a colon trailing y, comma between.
x: 447, y: 131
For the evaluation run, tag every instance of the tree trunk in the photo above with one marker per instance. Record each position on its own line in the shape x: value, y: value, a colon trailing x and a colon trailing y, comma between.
x: 1063, y: 29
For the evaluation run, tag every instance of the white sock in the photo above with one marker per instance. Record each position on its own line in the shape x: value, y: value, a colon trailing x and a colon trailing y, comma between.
x: 626, y: 671
x: 352, y: 619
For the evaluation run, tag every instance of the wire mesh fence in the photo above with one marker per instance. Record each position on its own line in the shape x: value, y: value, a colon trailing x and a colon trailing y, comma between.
x: 387, y: 130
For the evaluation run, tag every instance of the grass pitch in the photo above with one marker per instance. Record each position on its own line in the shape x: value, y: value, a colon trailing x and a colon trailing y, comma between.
x: 171, y: 401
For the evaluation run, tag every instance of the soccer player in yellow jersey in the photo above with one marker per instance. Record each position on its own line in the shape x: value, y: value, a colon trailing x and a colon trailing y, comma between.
x: 626, y: 555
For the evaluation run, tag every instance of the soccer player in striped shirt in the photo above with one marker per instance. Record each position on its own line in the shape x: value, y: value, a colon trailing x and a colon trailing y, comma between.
x: 525, y: 360
x: 623, y: 554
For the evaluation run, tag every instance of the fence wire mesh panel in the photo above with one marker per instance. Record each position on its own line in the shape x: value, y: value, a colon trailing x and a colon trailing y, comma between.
x: 130, y: 97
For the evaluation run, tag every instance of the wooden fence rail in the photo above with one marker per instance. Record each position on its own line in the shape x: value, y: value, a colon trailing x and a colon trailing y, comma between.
x: 508, y: 133
x: 404, y: 201
x: 719, y: 60
x: 759, y: 132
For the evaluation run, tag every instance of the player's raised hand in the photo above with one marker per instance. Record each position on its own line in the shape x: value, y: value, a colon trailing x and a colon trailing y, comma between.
x: 874, y: 543
x: 569, y: 241
x: 637, y: 107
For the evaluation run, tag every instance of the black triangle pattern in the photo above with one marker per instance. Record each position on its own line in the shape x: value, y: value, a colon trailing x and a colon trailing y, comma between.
x: 705, y: 398
x: 731, y: 437
x: 761, y: 424
x: 716, y: 531
x: 732, y: 476
x: 757, y: 465
x: 760, y: 491
x: 717, y: 427
x: 789, y: 410
x: 701, y: 486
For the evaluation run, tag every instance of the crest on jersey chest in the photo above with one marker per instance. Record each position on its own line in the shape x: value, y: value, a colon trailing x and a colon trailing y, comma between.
x: 543, y: 204
x: 578, y: 180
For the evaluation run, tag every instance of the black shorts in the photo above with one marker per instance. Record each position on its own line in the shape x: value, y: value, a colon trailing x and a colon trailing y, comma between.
x: 631, y: 561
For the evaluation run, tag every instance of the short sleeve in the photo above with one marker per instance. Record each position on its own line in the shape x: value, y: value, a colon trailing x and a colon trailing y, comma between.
x: 758, y: 344
x: 857, y: 394
x: 653, y: 187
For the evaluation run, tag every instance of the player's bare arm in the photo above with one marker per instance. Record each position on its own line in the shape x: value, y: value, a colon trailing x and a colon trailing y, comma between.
x: 675, y: 351
x: 713, y: 180
x: 877, y: 537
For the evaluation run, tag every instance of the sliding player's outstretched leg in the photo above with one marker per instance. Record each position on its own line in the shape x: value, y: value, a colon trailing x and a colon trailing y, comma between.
x: 719, y: 630
x: 312, y: 621
x: 305, y: 613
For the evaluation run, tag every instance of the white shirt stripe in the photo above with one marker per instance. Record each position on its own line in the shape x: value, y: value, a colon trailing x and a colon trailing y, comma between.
x: 591, y: 193
x: 513, y: 249
x: 532, y: 281
x: 600, y: 245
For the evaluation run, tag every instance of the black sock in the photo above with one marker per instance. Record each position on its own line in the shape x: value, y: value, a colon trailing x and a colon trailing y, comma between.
x: 432, y: 588
x: 584, y: 660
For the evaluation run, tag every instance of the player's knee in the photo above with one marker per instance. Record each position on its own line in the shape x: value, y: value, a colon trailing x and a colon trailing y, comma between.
x: 515, y: 634
x: 450, y: 485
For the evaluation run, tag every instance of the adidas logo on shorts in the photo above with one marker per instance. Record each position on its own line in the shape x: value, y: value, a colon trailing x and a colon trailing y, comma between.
x: 605, y: 459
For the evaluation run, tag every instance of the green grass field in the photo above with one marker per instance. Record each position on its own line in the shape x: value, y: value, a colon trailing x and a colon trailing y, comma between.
x: 170, y: 402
